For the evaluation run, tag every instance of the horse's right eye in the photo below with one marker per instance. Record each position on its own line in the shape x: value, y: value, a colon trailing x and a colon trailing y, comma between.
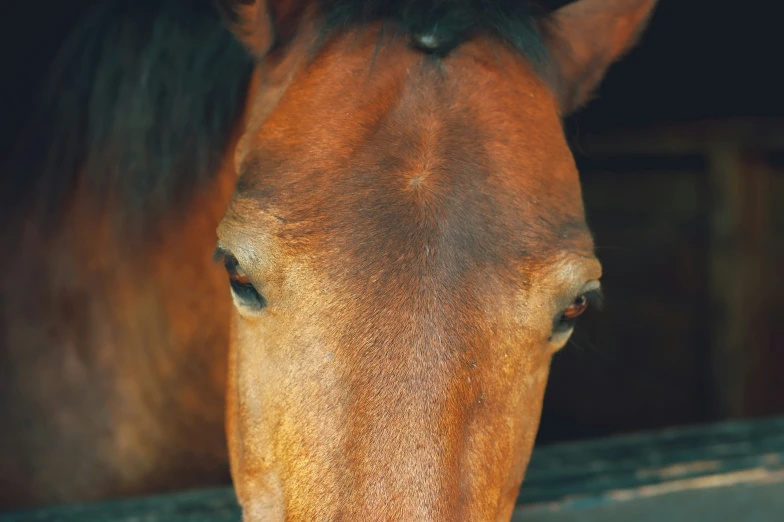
x: 243, y: 290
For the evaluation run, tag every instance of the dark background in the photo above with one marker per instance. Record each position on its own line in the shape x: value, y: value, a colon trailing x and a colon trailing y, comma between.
x: 650, y: 358
x: 691, y: 331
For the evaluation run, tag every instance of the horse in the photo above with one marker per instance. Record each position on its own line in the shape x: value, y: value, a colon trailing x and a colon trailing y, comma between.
x: 388, y: 187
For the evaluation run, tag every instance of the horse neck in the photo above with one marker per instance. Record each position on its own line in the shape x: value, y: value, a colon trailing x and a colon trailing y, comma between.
x: 118, y: 352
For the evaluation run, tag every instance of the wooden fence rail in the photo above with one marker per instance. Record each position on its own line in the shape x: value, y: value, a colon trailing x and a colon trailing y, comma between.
x: 730, y: 472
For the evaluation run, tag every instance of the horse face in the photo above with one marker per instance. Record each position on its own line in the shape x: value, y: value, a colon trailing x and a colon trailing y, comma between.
x: 406, y: 249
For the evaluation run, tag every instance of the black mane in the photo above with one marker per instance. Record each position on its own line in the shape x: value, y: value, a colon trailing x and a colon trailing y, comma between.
x: 450, y: 22
x: 138, y: 104
x: 141, y: 99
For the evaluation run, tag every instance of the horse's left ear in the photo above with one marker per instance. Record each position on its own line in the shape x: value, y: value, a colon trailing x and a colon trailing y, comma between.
x: 251, y: 23
x: 585, y: 37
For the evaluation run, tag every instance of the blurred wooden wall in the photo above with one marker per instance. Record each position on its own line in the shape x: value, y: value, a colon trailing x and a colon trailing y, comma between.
x: 689, y: 225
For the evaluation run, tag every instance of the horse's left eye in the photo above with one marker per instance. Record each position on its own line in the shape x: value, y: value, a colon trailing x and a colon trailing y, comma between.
x: 576, y: 309
x: 564, y: 321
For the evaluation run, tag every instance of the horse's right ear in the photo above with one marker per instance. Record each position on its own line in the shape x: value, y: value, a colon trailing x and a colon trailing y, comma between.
x: 251, y: 22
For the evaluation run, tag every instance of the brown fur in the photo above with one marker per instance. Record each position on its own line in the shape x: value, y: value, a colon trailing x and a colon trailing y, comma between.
x: 413, y: 248
x: 114, y: 364
x: 414, y: 224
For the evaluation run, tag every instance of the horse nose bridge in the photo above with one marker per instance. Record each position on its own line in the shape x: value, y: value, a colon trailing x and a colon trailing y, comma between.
x: 410, y: 467
x: 411, y: 410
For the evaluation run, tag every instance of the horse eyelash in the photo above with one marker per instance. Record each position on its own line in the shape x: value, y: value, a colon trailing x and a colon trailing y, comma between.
x: 595, y: 298
x: 220, y: 254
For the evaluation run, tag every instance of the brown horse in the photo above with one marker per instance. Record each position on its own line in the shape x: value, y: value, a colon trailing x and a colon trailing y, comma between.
x: 405, y: 244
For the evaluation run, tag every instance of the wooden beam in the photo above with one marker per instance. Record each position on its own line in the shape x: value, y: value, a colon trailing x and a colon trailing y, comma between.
x: 678, y: 475
x: 739, y: 219
x: 725, y: 193
x: 687, y: 138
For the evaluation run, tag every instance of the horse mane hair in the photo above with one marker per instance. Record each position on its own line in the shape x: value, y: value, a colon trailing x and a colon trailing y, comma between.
x: 140, y: 101
x: 137, y: 106
x: 450, y: 22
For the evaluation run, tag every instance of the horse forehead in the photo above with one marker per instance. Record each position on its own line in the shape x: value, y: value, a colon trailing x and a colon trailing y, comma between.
x: 448, y: 213
x: 352, y: 91
x: 419, y: 159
